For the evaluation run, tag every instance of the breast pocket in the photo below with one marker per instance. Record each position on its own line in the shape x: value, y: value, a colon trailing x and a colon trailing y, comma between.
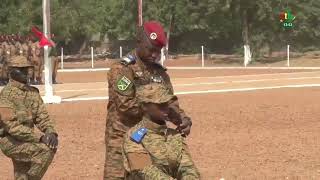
x: 157, y: 79
x: 140, y: 81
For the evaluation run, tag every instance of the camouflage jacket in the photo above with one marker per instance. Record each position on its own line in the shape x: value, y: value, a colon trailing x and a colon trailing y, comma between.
x: 162, y: 154
x: 22, y: 108
x: 124, y: 78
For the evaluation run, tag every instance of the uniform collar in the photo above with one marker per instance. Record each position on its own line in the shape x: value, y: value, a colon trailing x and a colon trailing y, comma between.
x: 17, y: 84
x: 139, y: 61
x: 159, y: 129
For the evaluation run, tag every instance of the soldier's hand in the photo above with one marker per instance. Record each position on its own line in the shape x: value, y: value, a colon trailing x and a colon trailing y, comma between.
x: 185, y: 127
x: 50, y: 139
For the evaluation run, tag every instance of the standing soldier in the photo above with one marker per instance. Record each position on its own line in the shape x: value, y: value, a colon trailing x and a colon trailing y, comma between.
x: 13, y: 48
x: 55, y: 62
x: 32, y: 46
x: 23, y: 54
x: 6, y: 46
x: 26, y: 49
x: 27, y: 54
x: 22, y: 108
x: 55, y: 65
x: 7, y: 56
x: 37, y: 60
x: 139, y: 67
x: 17, y: 44
x: 2, y: 63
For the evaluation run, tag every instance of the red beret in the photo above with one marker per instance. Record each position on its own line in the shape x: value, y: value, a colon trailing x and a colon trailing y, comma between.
x: 155, y: 33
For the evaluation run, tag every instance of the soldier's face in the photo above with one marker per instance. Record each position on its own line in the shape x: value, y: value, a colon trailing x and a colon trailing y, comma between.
x: 157, y: 112
x: 19, y: 74
x: 154, y: 54
x: 147, y: 51
x: 37, y: 52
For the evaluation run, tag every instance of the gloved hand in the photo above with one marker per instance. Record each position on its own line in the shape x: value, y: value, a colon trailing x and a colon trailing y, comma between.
x: 185, y: 127
x: 50, y: 139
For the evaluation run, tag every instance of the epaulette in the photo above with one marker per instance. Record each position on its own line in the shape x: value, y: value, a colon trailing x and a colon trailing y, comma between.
x: 33, y: 89
x: 128, y: 60
x: 138, y: 135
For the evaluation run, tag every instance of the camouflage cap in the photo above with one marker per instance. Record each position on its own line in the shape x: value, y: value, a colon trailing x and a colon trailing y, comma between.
x: 19, y: 61
x: 154, y: 93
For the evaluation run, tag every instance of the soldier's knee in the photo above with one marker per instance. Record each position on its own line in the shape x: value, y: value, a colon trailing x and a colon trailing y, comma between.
x: 40, y: 162
x: 45, y: 153
x: 19, y: 176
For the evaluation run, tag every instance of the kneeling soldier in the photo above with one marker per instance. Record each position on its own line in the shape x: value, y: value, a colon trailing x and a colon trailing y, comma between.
x: 22, y: 108
x: 151, y: 150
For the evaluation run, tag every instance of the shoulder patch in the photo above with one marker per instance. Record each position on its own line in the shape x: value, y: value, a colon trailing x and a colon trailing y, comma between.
x: 6, y: 113
x: 123, y: 83
x: 138, y: 135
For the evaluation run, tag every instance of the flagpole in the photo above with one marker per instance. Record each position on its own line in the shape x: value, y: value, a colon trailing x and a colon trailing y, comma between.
x: 48, y: 98
x: 140, y: 19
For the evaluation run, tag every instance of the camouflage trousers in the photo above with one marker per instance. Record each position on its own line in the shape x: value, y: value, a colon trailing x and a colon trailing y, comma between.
x: 55, y: 64
x: 30, y: 160
x: 113, y: 168
x: 3, y: 72
x: 38, y: 73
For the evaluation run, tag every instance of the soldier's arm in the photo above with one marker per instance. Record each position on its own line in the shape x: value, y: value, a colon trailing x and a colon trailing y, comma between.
x: 11, y: 124
x: 121, y: 83
x: 175, y: 111
x: 42, y: 119
x: 187, y: 168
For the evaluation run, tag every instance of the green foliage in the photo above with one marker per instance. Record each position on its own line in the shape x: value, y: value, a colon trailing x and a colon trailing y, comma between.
x: 220, y: 20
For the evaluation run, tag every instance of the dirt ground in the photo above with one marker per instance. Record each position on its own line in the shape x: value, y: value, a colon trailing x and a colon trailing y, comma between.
x: 267, y: 134
x: 101, y: 76
x: 264, y: 134
x: 195, y: 61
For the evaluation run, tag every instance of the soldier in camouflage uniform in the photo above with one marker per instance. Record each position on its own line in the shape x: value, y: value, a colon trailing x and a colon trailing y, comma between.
x: 21, y: 57
x: 138, y: 68
x: 7, y: 57
x: 37, y: 60
x: 55, y: 64
x: 17, y: 43
x: 13, y: 48
x: 151, y: 150
x: 2, y: 64
x: 22, y: 108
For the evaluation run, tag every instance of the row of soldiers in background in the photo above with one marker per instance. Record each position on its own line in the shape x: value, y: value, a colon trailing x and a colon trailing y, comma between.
x: 15, y: 48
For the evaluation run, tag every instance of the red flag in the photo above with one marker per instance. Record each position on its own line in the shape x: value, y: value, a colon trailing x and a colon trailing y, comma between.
x: 36, y: 32
x: 43, y: 40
